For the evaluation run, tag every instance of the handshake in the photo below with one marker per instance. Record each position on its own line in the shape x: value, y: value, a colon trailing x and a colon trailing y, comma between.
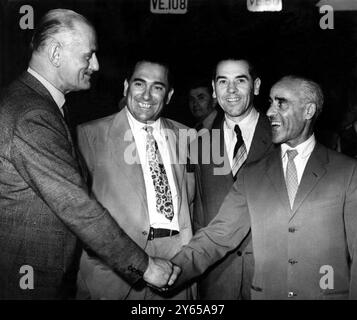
x: 161, y: 273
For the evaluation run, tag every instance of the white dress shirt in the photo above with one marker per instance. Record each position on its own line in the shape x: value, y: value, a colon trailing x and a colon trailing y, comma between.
x: 247, y: 127
x: 56, y: 94
x: 304, y: 152
x: 157, y: 220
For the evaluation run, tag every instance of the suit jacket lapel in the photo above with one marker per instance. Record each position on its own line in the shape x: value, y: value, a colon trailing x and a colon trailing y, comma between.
x: 314, y: 171
x: 219, y: 125
x: 122, y: 143
x: 36, y: 85
x: 29, y: 80
x: 276, y: 175
x: 261, y: 140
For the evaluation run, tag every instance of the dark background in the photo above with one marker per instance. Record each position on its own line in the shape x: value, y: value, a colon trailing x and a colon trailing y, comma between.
x: 280, y: 43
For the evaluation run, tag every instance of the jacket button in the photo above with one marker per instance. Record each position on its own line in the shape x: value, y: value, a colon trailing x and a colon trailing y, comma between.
x: 292, y: 261
x: 292, y: 230
x: 145, y: 233
x: 239, y: 253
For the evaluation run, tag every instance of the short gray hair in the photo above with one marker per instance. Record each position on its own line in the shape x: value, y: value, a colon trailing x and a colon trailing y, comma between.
x: 312, y: 91
x: 54, y: 22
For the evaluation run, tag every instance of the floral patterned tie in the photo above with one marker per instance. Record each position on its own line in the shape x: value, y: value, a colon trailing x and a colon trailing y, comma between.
x: 164, y: 203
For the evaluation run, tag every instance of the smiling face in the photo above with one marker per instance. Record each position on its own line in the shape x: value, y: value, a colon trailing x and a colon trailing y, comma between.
x: 200, y: 102
x: 235, y: 88
x: 147, y: 91
x: 78, y: 59
x: 290, y: 114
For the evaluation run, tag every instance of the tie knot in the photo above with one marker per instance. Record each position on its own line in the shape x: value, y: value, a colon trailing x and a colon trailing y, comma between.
x: 149, y: 129
x: 237, y: 131
x: 291, y: 154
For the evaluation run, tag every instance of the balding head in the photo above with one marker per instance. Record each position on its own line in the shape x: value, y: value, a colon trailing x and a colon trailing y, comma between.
x: 64, y: 50
x: 295, y: 102
x: 54, y: 23
x: 311, y: 92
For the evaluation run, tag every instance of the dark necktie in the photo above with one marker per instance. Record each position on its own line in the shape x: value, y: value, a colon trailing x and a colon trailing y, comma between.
x: 239, y: 152
x: 82, y: 163
x: 164, y: 203
x: 67, y: 119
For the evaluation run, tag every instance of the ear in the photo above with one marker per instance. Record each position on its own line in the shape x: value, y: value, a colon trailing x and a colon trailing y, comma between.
x: 126, y: 86
x: 214, y: 90
x: 310, y: 110
x: 169, y: 95
x: 54, y: 53
x: 256, y: 84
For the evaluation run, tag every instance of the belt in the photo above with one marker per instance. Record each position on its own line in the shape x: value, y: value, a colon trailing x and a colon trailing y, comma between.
x: 161, y: 233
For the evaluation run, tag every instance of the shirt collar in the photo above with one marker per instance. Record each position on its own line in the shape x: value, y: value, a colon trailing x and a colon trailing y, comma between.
x: 137, y: 126
x: 246, y: 122
x: 56, y: 94
x: 304, y: 149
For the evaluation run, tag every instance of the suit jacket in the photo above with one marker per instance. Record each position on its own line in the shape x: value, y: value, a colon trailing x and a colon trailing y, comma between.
x: 44, y: 204
x: 107, y: 145
x: 292, y: 248
x: 225, y: 279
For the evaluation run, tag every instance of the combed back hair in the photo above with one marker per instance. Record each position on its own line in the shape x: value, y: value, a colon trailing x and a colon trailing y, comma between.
x: 251, y: 67
x: 312, y: 90
x: 132, y: 66
x: 54, y: 22
x: 200, y: 83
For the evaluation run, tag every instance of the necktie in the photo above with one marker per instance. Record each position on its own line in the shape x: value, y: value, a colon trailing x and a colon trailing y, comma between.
x: 68, y: 121
x: 65, y: 113
x: 291, y: 177
x: 239, y: 152
x: 78, y: 156
x: 164, y: 203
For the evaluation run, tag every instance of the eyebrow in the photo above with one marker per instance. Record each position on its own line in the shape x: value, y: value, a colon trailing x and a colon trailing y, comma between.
x: 243, y: 76
x: 280, y: 99
x: 155, y: 82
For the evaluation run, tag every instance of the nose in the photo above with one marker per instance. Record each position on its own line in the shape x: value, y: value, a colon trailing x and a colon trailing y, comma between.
x: 271, y: 111
x: 231, y: 87
x: 147, y: 93
x: 94, y: 64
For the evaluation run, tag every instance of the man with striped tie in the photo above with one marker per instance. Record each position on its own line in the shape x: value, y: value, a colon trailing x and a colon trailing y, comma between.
x: 240, y: 135
x: 300, y: 203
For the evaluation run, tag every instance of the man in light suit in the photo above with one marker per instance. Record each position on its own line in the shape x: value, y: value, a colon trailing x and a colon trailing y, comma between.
x: 235, y: 84
x: 44, y: 202
x: 115, y: 149
x: 300, y: 203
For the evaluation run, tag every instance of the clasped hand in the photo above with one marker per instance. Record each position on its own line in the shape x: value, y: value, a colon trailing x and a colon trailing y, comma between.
x: 161, y: 273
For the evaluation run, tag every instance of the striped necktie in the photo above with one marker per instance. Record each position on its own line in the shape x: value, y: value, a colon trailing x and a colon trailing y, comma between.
x: 239, y: 152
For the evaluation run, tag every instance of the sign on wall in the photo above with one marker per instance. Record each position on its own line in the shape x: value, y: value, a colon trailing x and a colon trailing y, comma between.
x: 264, y: 5
x: 168, y: 6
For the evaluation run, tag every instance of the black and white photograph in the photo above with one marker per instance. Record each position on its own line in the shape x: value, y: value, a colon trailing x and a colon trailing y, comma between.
x: 186, y: 153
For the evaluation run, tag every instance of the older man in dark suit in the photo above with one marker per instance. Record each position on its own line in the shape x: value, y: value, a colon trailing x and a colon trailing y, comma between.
x: 44, y: 203
x: 300, y: 203
x: 235, y: 84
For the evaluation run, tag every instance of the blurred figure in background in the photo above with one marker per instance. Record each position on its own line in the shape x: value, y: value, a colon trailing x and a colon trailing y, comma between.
x: 202, y: 104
